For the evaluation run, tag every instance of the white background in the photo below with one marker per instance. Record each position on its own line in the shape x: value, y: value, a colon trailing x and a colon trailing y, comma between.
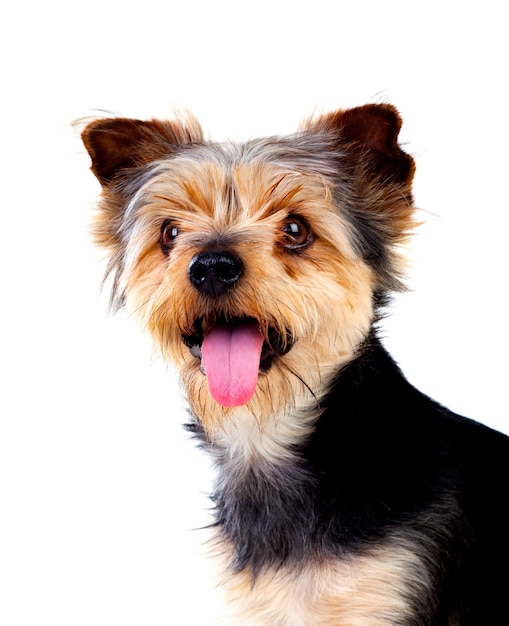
x: 99, y: 485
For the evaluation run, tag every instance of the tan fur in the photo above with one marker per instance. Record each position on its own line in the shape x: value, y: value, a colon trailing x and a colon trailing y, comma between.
x: 373, y: 589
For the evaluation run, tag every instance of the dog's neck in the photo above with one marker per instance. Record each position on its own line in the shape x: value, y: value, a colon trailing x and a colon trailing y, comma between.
x: 261, y: 480
x: 278, y: 486
x: 243, y: 442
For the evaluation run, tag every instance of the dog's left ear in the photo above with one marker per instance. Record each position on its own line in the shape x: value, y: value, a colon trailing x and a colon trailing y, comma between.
x: 117, y: 145
x: 373, y: 129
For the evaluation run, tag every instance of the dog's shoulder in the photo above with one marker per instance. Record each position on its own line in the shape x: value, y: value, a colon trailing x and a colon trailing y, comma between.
x: 401, y: 450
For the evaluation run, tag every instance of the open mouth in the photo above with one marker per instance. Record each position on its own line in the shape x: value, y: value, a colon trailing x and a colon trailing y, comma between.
x: 274, y: 345
x: 233, y: 352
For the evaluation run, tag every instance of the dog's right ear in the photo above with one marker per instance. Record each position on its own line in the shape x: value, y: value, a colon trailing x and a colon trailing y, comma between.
x: 117, y: 145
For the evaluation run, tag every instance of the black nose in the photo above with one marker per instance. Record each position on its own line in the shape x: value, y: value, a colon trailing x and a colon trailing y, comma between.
x: 215, y: 273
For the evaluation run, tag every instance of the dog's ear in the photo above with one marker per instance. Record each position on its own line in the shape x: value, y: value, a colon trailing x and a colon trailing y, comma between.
x: 374, y: 128
x: 116, y: 145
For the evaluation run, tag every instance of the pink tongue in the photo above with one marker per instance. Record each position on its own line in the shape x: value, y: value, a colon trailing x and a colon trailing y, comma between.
x: 231, y: 359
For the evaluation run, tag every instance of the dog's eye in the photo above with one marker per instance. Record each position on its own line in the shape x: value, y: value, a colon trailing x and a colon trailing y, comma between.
x: 297, y: 233
x: 169, y: 232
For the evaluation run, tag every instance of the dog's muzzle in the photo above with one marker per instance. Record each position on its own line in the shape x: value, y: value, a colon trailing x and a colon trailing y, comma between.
x: 232, y: 350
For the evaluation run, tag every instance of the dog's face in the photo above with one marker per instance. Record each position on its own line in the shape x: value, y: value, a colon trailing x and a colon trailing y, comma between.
x: 256, y: 267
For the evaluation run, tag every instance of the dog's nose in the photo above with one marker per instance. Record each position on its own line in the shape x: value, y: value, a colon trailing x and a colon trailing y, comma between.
x: 215, y: 273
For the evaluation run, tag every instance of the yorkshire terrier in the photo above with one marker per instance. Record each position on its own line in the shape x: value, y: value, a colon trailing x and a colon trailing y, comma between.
x: 344, y: 497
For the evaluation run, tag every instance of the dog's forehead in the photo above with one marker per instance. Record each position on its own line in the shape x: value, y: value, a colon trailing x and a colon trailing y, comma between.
x: 308, y: 153
x: 209, y: 175
x: 230, y: 191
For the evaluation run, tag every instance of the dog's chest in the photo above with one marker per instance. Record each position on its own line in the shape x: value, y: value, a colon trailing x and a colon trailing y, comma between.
x: 368, y: 590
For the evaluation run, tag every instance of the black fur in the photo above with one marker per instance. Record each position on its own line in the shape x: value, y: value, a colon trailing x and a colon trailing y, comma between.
x: 382, y: 457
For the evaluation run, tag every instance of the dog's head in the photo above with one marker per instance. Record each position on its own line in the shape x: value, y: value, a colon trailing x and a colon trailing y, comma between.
x: 256, y: 267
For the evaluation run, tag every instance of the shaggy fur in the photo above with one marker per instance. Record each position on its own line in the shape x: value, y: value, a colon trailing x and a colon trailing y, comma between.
x: 344, y: 496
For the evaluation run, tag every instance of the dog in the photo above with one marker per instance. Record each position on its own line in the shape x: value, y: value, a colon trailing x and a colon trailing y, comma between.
x: 344, y: 496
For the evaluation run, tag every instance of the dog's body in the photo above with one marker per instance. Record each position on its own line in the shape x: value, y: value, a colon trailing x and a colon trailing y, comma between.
x: 345, y: 497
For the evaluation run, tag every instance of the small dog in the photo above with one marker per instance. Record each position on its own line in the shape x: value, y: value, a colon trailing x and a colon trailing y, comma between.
x: 344, y: 495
